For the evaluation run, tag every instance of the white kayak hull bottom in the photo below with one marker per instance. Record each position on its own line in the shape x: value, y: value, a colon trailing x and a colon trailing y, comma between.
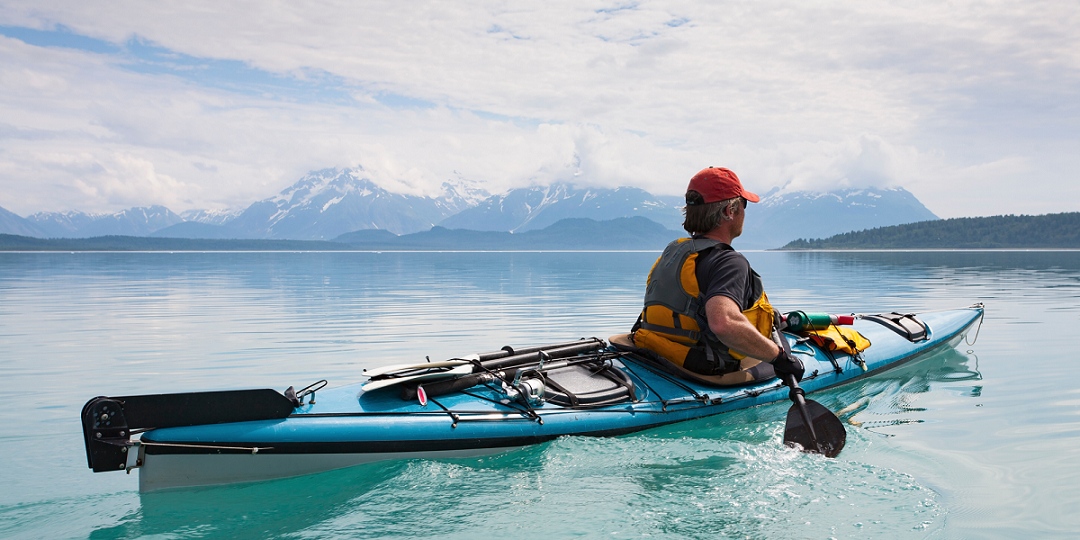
x: 173, y: 471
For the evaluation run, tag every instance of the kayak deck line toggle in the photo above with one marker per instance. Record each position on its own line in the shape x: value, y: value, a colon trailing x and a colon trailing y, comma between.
x: 297, y: 398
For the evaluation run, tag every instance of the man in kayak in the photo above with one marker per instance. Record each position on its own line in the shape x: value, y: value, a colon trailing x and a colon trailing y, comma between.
x: 705, y: 308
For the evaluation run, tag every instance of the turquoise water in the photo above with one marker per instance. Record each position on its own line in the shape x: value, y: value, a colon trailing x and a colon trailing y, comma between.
x: 977, y: 442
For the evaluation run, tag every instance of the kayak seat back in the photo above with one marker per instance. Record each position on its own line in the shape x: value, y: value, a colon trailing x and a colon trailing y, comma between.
x: 587, y: 385
x: 750, y: 370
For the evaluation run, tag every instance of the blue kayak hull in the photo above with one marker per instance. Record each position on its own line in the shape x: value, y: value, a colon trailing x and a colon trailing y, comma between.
x: 348, y: 426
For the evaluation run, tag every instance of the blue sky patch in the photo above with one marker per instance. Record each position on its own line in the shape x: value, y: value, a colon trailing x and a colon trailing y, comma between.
x: 307, y: 86
x: 138, y: 55
x: 59, y: 37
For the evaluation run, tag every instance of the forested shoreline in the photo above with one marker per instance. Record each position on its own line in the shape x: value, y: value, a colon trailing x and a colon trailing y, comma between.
x: 1050, y: 231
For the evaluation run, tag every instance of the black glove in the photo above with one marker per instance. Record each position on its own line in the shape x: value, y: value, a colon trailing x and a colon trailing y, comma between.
x: 786, y: 364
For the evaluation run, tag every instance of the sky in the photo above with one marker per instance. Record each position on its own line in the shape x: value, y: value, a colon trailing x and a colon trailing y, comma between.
x: 973, y: 106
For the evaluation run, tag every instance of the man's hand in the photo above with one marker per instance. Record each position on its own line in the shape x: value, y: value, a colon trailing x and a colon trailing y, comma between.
x: 786, y: 364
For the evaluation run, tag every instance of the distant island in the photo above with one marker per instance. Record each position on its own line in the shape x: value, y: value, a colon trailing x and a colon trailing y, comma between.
x: 1050, y: 231
x: 573, y: 234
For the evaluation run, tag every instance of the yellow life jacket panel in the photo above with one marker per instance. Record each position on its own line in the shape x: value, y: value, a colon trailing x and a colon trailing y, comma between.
x: 673, y: 323
x: 839, y: 338
x: 761, y: 315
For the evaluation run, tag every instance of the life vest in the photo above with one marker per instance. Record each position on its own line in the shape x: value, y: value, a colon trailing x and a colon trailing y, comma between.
x: 838, y: 338
x: 673, y: 323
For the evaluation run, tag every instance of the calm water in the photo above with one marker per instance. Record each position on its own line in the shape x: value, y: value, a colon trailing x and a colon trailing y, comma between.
x: 978, y: 442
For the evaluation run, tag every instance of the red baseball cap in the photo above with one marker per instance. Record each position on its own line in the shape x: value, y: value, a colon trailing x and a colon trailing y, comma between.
x: 719, y: 184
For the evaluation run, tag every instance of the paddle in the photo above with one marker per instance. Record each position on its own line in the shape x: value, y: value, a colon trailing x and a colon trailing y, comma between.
x: 810, y: 426
x: 444, y: 373
x: 504, y: 358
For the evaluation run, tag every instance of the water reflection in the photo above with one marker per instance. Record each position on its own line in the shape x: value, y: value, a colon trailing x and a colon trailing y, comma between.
x: 1067, y: 261
x: 892, y: 398
x: 272, y: 509
x: 994, y: 435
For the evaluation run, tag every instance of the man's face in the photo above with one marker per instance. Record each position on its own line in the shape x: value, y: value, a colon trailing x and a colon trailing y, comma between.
x: 737, y: 220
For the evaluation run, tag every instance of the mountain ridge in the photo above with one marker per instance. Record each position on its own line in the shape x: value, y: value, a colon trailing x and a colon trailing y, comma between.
x: 12, y: 223
x: 621, y: 234
x: 781, y: 217
x: 574, y: 234
x: 136, y: 221
x: 537, y: 207
x: 326, y: 203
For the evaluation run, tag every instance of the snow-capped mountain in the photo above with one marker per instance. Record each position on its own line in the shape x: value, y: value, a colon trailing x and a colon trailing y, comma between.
x: 782, y: 217
x: 211, y: 217
x: 61, y: 224
x: 208, y: 224
x: 779, y: 218
x: 138, y: 221
x: 459, y: 193
x: 330, y: 202
x: 535, y: 208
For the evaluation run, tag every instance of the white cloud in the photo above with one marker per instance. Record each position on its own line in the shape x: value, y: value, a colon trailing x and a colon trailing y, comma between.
x: 862, y: 162
x: 606, y: 93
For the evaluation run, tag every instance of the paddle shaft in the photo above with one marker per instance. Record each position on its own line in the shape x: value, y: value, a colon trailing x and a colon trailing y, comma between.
x: 510, y: 351
x: 493, y: 361
x: 798, y: 396
x: 532, y: 357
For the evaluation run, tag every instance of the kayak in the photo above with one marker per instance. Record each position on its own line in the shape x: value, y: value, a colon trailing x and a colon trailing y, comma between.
x: 466, y: 406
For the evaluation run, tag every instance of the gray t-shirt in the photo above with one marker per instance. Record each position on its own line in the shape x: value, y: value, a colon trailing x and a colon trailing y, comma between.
x: 724, y: 271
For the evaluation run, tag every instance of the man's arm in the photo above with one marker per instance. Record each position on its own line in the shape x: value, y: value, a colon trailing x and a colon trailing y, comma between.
x: 729, y: 324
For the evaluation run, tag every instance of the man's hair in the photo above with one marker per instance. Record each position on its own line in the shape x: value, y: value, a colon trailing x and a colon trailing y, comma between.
x: 702, y: 217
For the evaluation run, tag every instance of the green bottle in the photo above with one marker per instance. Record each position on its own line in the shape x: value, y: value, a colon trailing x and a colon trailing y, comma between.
x: 798, y: 321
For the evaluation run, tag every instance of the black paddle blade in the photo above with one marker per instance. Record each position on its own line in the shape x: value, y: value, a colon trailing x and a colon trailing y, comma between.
x: 829, y: 430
